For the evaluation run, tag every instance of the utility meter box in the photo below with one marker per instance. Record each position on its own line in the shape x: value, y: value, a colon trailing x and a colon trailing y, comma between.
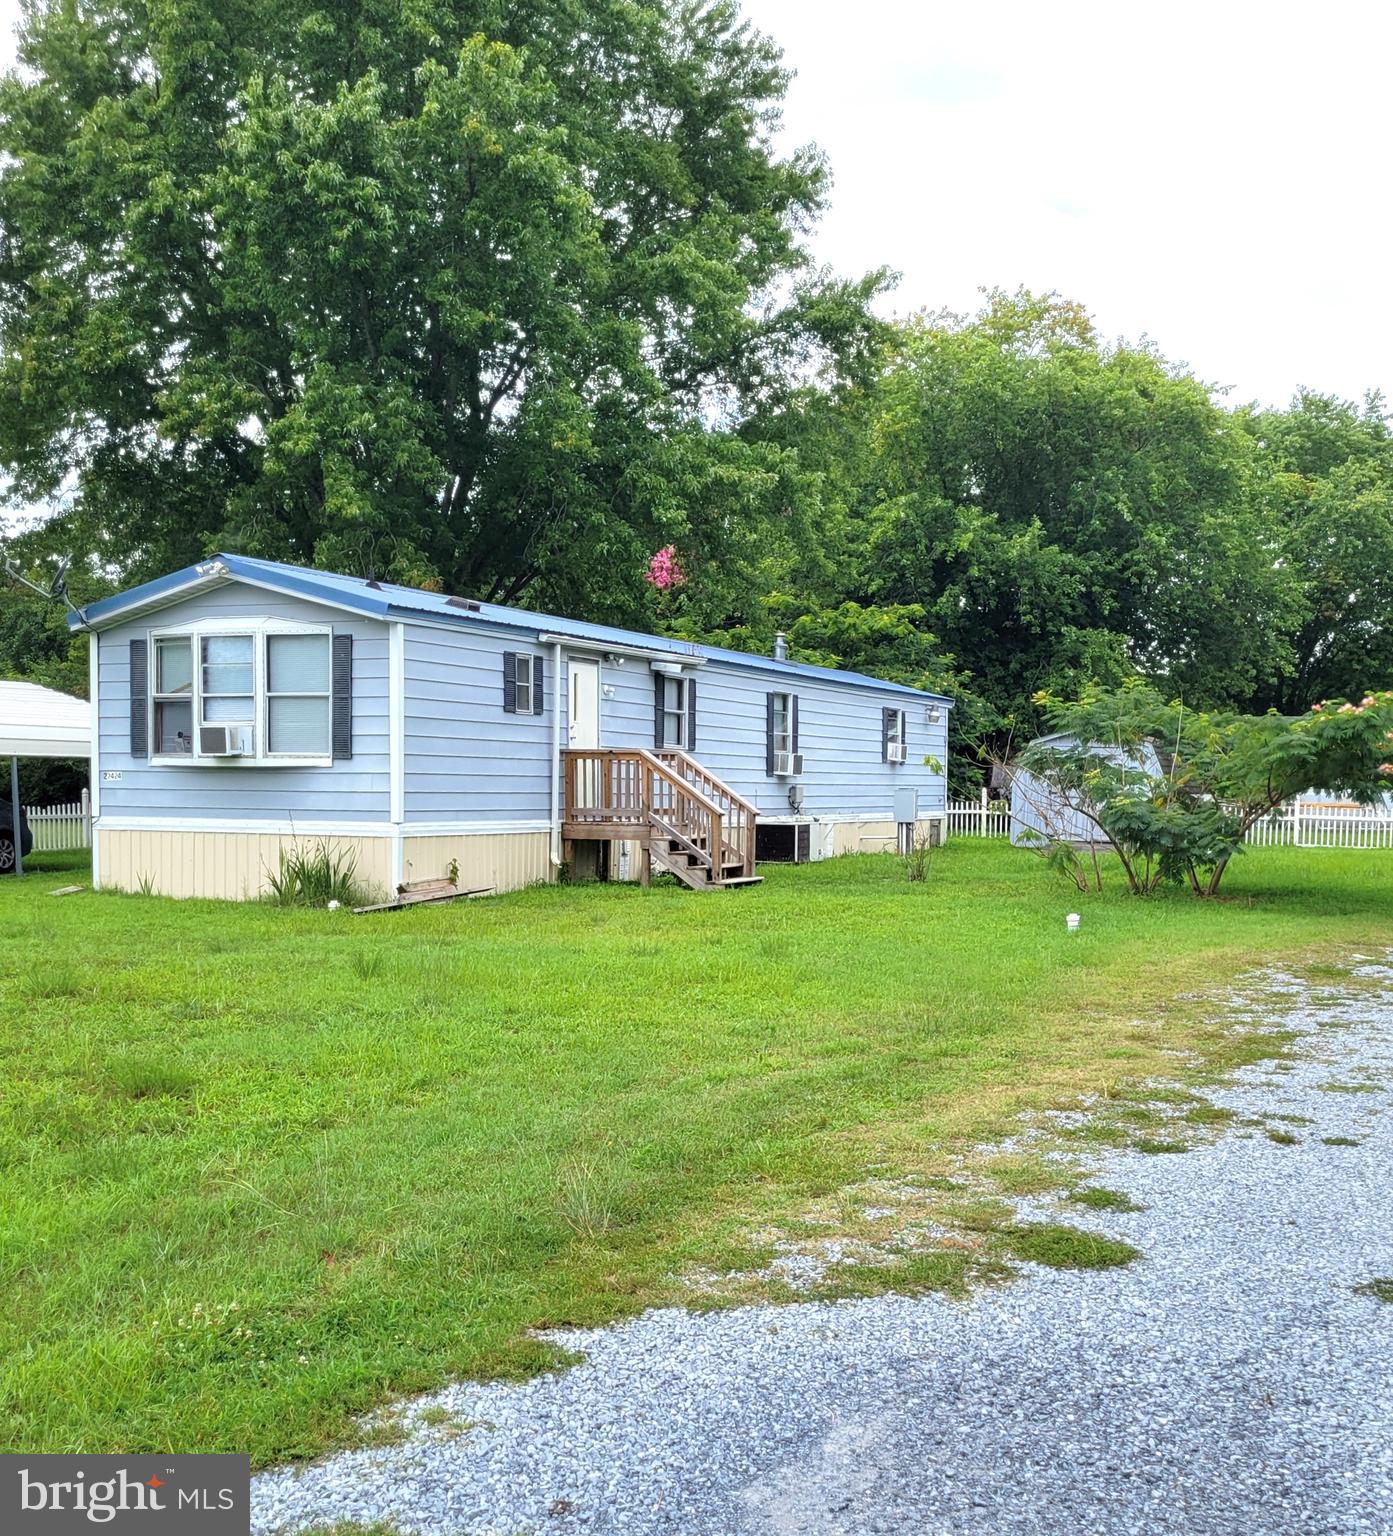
x: 906, y: 804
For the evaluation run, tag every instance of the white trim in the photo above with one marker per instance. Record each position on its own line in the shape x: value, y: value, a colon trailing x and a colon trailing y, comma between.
x: 297, y: 828
x: 258, y: 630
x: 165, y: 599
x: 847, y: 820
x: 590, y: 648
x: 94, y: 761
x: 396, y: 743
x: 555, y: 824
x: 474, y: 828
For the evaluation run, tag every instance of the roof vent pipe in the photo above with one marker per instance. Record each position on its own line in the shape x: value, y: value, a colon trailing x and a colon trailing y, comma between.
x: 780, y: 646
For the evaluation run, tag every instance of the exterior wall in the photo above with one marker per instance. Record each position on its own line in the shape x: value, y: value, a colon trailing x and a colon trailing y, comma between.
x: 354, y: 790
x: 465, y: 759
x: 226, y: 865
x: 221, y: 864
x: 471, y: 783
x: 504, y: 861
x: 838, y: 734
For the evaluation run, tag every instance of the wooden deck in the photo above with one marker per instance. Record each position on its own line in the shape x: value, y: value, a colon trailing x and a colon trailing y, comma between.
x: 683, y: 818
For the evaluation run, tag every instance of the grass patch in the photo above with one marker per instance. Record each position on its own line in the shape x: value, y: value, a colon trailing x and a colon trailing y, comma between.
x: 1098, y: 1198
x: 1156, y: 1148
x: 1349, y: 1087
x: 1283, y: 1138
x: 540, y: 1109
x: 1209, y: 1114
x: 1063, y: 1247
x: 1342, y: 1141
x: 1380, y: 1289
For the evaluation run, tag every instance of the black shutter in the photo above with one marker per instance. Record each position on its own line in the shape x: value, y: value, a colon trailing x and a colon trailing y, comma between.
x: 539, y: 685
x: 793, y: 719
x: 658, y: 681
x: 769, y: 732
x: 510, y: 682
x: 885, y: 735
x: 342, y: 703
x: 691, y: 714
x: 140, y: 698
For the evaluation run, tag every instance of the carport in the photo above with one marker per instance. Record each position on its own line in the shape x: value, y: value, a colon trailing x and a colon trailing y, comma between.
x: 38, y: 722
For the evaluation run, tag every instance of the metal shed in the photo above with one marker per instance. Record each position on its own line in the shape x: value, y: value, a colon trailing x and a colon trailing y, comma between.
x: 39, y: 722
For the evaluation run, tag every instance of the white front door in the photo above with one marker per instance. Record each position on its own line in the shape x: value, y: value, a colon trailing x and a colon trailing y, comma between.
x: 585, y: 704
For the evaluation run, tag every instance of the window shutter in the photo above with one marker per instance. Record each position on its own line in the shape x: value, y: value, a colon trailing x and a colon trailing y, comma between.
x: 510, y: 682
x: 140, y: 698
x: 341, y: 698
x: 691, y: 714
x: 539, y: 685
x: 769, y: 732
x: 658, y: 709
x: 793, y: 715
x: 885, y: 735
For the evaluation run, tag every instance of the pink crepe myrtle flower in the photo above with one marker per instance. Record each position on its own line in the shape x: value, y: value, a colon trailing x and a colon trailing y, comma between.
x: 663, y: 571
x: 1385, y: 768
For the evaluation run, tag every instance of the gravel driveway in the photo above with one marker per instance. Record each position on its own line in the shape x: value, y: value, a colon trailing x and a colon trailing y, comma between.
x: 1233, y: 1380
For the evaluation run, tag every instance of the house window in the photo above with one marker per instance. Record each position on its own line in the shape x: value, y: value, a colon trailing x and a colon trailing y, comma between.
x: 173, y: 698
x: 894, y: 736
x: 783, y: 723
x: 298, y: 714
x: 522, y: 683
x: 227, y: 687
x: 271, y: 686
x: 674, y: 711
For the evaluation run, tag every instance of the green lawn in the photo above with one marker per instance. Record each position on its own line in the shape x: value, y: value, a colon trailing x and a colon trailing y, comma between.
x: 264, y: 1168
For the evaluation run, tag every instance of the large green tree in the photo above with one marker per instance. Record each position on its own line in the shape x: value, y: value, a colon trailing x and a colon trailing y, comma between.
x: 465, y: 293
x: 1325, y: 486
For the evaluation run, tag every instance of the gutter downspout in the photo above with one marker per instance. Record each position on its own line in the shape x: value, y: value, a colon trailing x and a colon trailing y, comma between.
x: 556, y: 756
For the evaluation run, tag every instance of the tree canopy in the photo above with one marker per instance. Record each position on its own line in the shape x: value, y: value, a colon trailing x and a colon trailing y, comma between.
x: 452, y: 292
x: 503, y: 298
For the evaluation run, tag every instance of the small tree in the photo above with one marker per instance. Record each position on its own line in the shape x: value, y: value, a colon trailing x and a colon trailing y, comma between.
x: 1174, y: 792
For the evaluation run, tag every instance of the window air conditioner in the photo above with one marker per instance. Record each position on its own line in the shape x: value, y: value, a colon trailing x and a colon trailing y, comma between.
x: 896, y: 752
x: 788, y: 765
x: 220, y: 741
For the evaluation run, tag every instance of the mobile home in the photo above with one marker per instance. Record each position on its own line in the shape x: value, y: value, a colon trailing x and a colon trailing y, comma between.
x: 241, y: 707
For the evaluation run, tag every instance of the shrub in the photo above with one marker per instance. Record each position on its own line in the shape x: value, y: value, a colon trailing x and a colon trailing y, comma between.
x: 313, y: 875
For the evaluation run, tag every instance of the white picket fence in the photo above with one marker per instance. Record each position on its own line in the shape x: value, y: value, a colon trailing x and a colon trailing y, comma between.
x: 979, y: 818
x: 60, y: 827
x: 1303, y: 824
x: 1322, y: 824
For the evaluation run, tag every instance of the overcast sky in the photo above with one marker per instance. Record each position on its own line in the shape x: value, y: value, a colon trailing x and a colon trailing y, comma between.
x: 1215, y: 176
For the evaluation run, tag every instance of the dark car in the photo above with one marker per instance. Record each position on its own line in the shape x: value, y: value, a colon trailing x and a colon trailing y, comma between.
x: 7, y: 838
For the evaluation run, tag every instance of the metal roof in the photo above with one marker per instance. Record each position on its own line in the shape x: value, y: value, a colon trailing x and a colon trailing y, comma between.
x: 39, y: 722
x: 382, y: 600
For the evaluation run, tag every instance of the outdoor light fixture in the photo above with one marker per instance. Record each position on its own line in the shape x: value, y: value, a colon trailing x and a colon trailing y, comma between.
x: 933, y: 714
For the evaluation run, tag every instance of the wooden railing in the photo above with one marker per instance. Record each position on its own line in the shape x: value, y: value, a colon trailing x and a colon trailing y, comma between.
x: 631, y: 793
x: 738, y: 815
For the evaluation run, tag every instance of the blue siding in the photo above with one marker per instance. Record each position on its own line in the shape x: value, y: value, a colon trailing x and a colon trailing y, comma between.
x: 838, y: 734
x: 356, y: 789
x: 466, y: 760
